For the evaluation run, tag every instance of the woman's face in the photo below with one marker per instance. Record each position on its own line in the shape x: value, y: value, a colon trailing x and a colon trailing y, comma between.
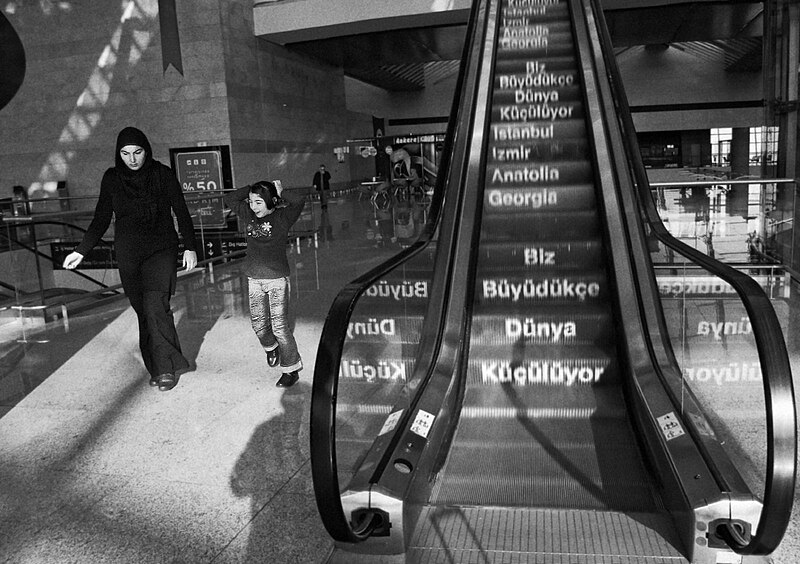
x: 132, y: 156
x: 258, y: 205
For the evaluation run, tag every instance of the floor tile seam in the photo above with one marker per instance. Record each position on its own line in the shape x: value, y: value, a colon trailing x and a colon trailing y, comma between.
x: 256, y: 514
x: 283, y: 487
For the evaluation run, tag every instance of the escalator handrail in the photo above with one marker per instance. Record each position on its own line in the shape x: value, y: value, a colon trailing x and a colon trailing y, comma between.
x: 771, y: 347
x: 326, y: 370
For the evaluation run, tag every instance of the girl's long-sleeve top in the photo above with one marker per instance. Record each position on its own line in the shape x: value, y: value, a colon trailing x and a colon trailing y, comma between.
x: 266, y: 236
x: 141, y: 222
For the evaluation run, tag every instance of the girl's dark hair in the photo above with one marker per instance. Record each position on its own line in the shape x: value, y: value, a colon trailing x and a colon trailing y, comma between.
x: 267, y: 191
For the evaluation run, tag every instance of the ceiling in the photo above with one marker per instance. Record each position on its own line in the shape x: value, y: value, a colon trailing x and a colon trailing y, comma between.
x: 412, y: 59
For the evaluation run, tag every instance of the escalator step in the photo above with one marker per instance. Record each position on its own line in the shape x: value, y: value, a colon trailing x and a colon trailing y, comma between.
x: 551, y: 13
x: 543, y: 150
x: 524, y: 352
x: 527, y: 536
x: 547, y: 255
x: 528, y: 466
x: 508, y: 92
x: 548, y: 226
x: 543, y: 457
x: 515, y: 291
x: 551, y: 64
x: 535, y: 35
x: 542, y: 372
x: 535, y: 46
x: 543, y: 326
x: 560, y: 27
x: 557, y: 111
x: 527, y: 201
x: 549, y: 490
x: 532, y: 132
x: 551, y: 403
x: 539, y: 174
x: 497, y: 409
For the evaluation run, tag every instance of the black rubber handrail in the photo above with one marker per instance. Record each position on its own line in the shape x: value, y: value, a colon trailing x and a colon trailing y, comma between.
x: 326, y: 370
x: 772, y: 353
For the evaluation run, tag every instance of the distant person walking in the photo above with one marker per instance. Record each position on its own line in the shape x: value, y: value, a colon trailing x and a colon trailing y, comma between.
x: 268, y: 218
x: 142, y: 194
x: 322, y: 183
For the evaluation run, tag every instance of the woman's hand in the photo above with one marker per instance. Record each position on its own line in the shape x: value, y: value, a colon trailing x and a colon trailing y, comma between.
x: 72, y: 260
x: 189, y: 259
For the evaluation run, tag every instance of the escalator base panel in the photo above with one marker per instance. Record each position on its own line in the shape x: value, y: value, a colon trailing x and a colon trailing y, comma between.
x: 455, y: 534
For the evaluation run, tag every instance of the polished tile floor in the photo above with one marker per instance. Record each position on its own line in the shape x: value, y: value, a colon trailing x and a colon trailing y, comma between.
x: 96, y: 466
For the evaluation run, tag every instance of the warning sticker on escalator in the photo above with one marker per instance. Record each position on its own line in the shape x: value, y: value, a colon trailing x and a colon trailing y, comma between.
x: 391, y: 422
x: 670, y: 426
x: 423, y: 423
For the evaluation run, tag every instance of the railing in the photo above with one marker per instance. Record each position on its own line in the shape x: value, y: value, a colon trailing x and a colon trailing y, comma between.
x: 30, y: 270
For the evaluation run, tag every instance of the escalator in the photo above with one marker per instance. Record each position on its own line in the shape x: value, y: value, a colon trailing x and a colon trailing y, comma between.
x: 542, y: 362
x: 524, y: 403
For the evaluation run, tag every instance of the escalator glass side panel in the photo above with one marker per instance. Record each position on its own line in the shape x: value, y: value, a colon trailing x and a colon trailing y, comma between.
x: 377, y: 360
x: 544, y: 420
x: 714, y: 345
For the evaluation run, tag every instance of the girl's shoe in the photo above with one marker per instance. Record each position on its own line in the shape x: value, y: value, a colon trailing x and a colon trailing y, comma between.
x: 273, y: 357
x: 288, y: 379
x: 154, y: 381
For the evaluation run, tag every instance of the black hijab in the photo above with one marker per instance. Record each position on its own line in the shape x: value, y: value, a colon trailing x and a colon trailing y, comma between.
x: 139, y: 183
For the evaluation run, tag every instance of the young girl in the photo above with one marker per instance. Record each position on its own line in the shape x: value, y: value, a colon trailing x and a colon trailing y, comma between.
x: 268, y: 218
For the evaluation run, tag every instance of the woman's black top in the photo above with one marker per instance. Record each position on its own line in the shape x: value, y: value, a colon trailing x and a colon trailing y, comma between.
x: 143, y: 218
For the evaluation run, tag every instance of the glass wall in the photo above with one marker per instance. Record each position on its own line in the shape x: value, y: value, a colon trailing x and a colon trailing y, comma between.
x: 763, y: 145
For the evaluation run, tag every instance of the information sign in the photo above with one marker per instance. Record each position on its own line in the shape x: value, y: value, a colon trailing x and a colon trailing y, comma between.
x: 199, y: 170
x: 203, y: 172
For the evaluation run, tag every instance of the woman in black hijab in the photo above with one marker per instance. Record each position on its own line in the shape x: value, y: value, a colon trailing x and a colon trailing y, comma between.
x: 141, y: 193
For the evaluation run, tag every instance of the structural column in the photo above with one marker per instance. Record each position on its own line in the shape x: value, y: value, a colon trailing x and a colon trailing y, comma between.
x: 740, y: 152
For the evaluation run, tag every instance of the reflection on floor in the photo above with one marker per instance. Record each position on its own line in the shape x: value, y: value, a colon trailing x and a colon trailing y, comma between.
x: 96, y: 466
